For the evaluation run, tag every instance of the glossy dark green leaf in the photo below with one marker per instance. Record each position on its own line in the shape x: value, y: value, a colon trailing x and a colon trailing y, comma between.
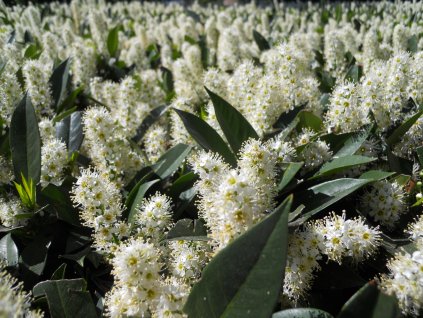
x: 354, y: 73
x: 190, y: 40
x: 149, y: 120
x: 206, y: 136
x: 260, y: 40
x: 398, y: 133
x: 79, y: 256
x: 185, y: 199
x: 142, y: 190
x: 376, y: 175
x: 32, y: 52
x: 60, y: 201
x: 340, y: 164
x: 302, y: 313
x: 170, y: 161
x: 235, y: 127
x: 70, y: 131
x: 59, y: 273
x: 142, y: 177
x: 113, y: 41
x: 167, y: 79
x: 289, y: 174
x: 187, y: 229
x: 64, y: 114
x: 8, y: 250
x: 69, y: 101
x: 327, y: 82
x: 59, y: 82
x: 67, y: 298
x: 286, y: 118
x: 244, y: 279
x: 352, y: 144
x: 28, y: 38
x: 34, y: 255
x: 25, y: 141
x: 309, y: 120
x: 399, y: 164
x: 419, y: 151
x: 325, y: 194
x: 370, y: 302
x: 413, y: 44
x: 183, y: 183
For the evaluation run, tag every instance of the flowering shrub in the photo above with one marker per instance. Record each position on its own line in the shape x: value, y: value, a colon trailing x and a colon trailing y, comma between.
x: 248, y: 161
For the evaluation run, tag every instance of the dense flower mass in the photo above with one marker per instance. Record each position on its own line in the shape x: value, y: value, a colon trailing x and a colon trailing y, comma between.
x: 141, y: 143
x: 14, y: 302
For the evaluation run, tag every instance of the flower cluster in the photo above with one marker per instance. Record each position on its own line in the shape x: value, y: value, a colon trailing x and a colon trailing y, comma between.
x: 320, y: 85
x: 99, y: 201
x: 14, y: 302
x: 333, y: 237
x: 233, y: 199
x: 139, y: 288
x: 385, y: 202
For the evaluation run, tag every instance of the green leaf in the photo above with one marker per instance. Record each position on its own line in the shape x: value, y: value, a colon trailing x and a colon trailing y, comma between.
x: 398, y: 133
x: 190, y: 40
x: 34, y: 256
x: 59, y: 82
x: 185, y: 198
x: 79, y: 256
x: 142, y: 190
x: 370, y: 302
x: 338, y: 12
x: 145, y: 174
x: 244, y: 279
x: 354, y: 73
x: 327, y: 82
x: 25, y: 141
x: 302, y: 313
x: 412, y: 44
x: 235, y: 127
x: 69, y: 130
x: 67, y: 298
x: 325, y: 194
x: 64, y: 114
x: 28, y: 38
x: 342, y: 163
x: 352, y: 144
x: 399, y: 164
x: 335, y: 141
x: 59, y: 273
x: 61, y: 202
x: 187, y: 229
x: 260, y: 40
x: 289, y: 174
x: 32, y: 52
x: 286, y: 118
x: 206, y: 136
x: 148, y: 121
x: 8, y: 250
x: 170, y: 161
x: 309, y: 120
x: 419, y: 151
x: 113, y: 41
x: 376, y: 175
x: 167, y: 80
x: 183, y: 183
x: 69, y: 101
